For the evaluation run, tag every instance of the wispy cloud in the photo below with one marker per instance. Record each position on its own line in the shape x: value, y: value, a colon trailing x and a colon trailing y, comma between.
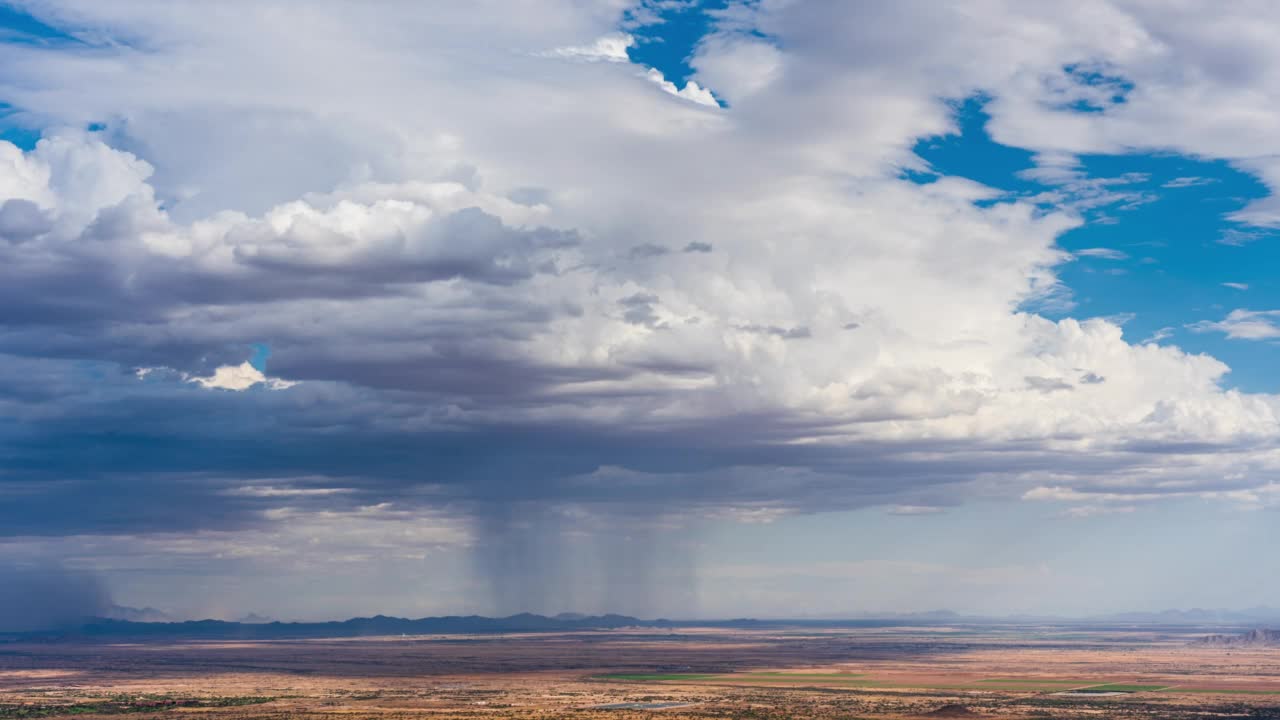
x: 1243, y: 324
x: 915, y: 510
x: 1188, y: 181
x: 1102, y: 253
x: 1073, y: 188
x: 1085, y: 511
x: 608, y: 48
x: 1237, y: 237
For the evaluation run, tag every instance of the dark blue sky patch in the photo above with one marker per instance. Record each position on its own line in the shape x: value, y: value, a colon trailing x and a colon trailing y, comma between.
x: 669, y: 45
x: 971, y: 153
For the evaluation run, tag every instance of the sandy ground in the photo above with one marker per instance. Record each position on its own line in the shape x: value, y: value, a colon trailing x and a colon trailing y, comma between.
x: 821, y: 673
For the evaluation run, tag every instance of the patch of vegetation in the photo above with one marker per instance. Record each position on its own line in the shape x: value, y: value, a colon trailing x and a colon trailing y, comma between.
x: 815, y: 681
x: 1221, y: 691
x: 122, y: 705
x: 787, y: 675
x: 1121, y: 687
x: 1033, y: 681
x: 1008, y: 687
x: 797, y: 679
x: 647, y: 676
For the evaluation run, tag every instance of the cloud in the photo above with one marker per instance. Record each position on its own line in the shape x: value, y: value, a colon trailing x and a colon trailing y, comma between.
x: 1118, y: 497
x: 1073, y: 189
x: 1257, y: 498
x: 611, y: 48
x: 1243, y: 324
x: 272, y: 491
x: 915, y: 510
x: 1084, y: 511
x: 1188, y: 181
x: 1053, y: 493
x: 741, y: 313
x: 1045, y: 384
x: 1236, y: 285
x: 1102, y: 253
x: 691, y: 90
x: 639, y: 309
x: 648, y: 250
x: 1235, y: 237
x: 791, y: 333
x: 21, y: 220
x: 239, y: 377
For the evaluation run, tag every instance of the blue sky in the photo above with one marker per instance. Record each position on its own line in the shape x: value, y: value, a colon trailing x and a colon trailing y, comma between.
x: 670, y: 44
x: 683, y: 309
x: 1179, y: 245
x: 1174, y: 244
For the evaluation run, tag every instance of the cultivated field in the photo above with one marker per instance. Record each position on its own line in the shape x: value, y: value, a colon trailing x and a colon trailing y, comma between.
x: 964, y: 671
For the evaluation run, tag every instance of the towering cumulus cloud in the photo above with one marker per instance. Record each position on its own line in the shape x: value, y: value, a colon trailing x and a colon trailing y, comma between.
x: 519, y: 301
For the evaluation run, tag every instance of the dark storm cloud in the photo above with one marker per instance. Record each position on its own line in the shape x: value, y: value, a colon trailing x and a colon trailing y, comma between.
x: 106, y: 274
x: 22, y: 220
x: 638, y: 309
x: 100, y: 295
x: 129, y: 456
x: 161, y: 456
x: 88, y: 448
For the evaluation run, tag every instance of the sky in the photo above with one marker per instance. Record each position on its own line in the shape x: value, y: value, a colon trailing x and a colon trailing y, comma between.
x: 776, y: 308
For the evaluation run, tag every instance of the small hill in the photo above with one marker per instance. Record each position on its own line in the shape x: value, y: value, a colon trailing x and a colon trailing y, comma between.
x: 255, y: 619
x: 132, y: 614
x: 1254, y: 638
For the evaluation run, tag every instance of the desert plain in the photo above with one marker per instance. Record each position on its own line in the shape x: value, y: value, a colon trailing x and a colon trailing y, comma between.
x: 996, y: 671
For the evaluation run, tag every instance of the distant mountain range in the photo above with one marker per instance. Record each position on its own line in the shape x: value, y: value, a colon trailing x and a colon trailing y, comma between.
x: 1261, y: 615
x: 126, y: 622
x: 355, y: 627
x: 1200, y: 616
x: 384, y: 625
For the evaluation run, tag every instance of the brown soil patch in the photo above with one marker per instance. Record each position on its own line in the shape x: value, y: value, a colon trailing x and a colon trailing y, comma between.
x: 908, y: 673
